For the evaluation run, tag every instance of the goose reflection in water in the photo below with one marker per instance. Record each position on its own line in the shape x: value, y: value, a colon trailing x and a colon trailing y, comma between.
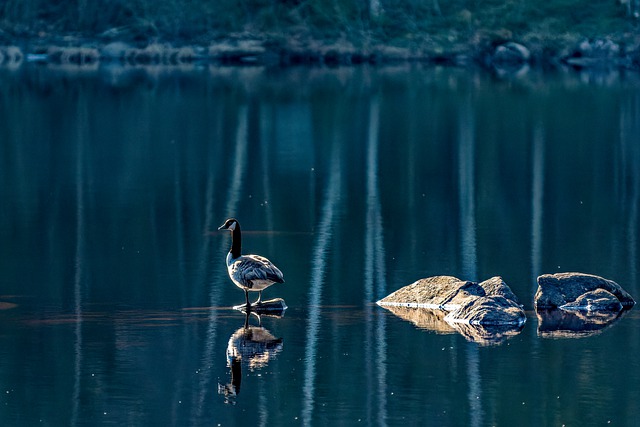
x: 251, y: 346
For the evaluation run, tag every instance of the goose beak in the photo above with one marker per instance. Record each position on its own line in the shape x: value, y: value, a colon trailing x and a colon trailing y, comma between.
x: 222, y: 227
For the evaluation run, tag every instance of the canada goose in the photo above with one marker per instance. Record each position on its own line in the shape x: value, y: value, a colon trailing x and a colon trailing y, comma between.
x: 248, y: 272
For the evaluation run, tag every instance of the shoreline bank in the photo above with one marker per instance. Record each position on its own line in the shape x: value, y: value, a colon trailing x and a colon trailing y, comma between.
x: 507, y: 55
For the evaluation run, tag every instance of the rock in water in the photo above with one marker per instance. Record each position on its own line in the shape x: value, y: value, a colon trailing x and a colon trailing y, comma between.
x: 511, y: 53
x: 578, y: 291
x: 487, y: 303
x: 574, y: 305
x: 273, y: 307
x: 489, y: 310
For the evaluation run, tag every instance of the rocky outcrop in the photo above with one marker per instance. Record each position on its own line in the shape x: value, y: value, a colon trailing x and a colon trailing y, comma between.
x: 487, y: 303
x: 576, y: 305
x: 581, y: 292
x: 10, y: 56
x: 273, y: 307
x: 595, y: 53
x: 510, y: 54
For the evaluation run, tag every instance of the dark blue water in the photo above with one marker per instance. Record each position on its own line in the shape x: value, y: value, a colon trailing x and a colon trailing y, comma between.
x: 114, y: 296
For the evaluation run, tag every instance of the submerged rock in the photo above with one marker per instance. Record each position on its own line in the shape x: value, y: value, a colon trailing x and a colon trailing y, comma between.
x: 582, y: 292
x: 486, y: 303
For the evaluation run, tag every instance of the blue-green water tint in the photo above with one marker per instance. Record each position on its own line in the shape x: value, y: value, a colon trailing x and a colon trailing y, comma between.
x: 355, y: 182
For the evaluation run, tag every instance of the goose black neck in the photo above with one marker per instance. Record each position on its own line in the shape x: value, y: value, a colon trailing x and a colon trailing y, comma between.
x: 236, y: 242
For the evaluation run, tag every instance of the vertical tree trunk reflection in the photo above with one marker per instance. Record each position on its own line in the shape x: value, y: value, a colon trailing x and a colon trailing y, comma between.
x: 537, y: 203
x: 239, y: 161
x: 466, y: 193
x: 630, y: 177
x: 266, y: 131
x: 82, y: 132
x: 318, y: 271
x: 374, y: 279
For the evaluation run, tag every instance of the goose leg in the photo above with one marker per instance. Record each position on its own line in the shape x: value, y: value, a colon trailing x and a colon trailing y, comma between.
x: 246, y: 296
x: 246, y: 306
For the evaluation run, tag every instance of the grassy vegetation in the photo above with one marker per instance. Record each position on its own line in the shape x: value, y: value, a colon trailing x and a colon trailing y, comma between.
x: 397, y: 21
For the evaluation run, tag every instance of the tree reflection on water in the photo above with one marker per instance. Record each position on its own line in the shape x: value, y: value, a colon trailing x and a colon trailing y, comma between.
x: 365, y: 179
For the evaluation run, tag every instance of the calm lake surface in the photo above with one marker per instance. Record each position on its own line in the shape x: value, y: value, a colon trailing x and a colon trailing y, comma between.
x: 115, y: 304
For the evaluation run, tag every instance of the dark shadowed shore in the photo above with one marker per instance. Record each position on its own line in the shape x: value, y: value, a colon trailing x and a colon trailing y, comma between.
x: 586, y: 53
x: 495, y: 34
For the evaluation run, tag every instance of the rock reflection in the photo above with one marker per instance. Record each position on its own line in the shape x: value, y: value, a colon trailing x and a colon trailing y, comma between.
x: 487, y: 334
x: 249, y: 346
x: 575, y: 324
x: 435, y: 321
